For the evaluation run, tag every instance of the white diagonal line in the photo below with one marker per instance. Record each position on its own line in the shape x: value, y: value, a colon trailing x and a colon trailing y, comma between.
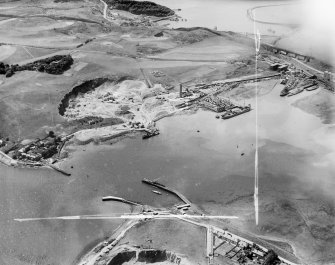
x: 126, y: 216
x: 257, y: 48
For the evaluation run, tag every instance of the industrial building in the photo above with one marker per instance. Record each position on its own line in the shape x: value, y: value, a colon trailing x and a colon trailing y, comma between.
x: 328, y: 76
x: 279, y: 67
x: 274, y: 66
x: 282, y: 67
x: 217, y: 104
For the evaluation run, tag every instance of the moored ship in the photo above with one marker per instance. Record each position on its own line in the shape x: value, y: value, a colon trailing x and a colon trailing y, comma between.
x: 232, y: 113
x: 284, y: 92
x: 150, y: 134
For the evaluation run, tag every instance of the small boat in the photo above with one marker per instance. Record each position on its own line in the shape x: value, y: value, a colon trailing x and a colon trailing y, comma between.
x: 312, y: 88
x: 295, y: 91
x: 157, y: 192
x: 150, y: 134
x: 227, y: 115
x: 284, y: 92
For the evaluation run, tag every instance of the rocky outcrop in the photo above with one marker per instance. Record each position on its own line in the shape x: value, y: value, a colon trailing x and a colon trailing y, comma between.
x: 123, y: 257
x: 82, y: 88
x: 85, y: 87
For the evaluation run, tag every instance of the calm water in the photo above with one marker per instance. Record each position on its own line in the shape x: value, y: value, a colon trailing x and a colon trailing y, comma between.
x: 230, y: 15
x: 206, y: 166
x: 312, y: 34
x: 193, y: 162
x: 45, y: 193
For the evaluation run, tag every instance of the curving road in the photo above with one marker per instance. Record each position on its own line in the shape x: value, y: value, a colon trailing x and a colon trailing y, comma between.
x: 251, y: 16
x: 307, y: 66
x: 105, y: 11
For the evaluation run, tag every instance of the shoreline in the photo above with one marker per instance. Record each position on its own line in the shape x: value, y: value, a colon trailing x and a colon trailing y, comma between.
x: 250, y: 15
x: 7, y: 160
x: 104, y: 250
x: 109, y: 134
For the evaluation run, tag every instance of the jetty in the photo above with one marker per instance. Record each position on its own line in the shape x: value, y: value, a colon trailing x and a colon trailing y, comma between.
x: 119, y: 199
x: 58, y: 169
x: 7, y: 160
x: 163, y: 187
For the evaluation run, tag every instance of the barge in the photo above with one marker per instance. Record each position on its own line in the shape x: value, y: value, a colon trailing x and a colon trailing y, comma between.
x: 284, y: 92
x: 295, y: 91
x: 311, y: 88
x: 163, y: 187
x: 231, y: 113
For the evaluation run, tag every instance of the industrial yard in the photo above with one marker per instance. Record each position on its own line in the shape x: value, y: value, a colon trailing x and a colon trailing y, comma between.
x: 210, y: 245
x: 135, y: 105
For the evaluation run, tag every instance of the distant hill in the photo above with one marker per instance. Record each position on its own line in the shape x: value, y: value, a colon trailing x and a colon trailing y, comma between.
x: 141, y: 8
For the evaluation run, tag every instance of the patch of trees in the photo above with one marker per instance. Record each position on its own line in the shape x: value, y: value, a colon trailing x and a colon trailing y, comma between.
x: 4, y: 68
x: 141, y: 7
x: 55, y: 65
x: 159, y: 34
